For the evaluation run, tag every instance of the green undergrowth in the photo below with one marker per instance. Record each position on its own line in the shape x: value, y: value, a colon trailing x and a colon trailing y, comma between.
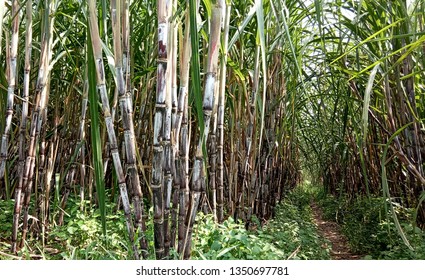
x: 6, y: 213
x: 80, y: 236
x: 370, y: 228
x: 290, y: 234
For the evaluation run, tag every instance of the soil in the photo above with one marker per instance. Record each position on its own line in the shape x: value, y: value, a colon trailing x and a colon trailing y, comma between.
x: 331, y: 231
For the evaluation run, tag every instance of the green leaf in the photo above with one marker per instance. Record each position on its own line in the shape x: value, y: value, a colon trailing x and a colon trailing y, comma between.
x: 386, y: 189
x: 71, y: 230
x: 256, y: 250
x: 225, y: 251
x: 95, y: 133
x: 195, y: 69
x: 215, y: 246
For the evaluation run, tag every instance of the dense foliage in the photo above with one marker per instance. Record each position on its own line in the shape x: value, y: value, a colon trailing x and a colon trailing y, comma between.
x: 291, y: 234
x: 369, y: 228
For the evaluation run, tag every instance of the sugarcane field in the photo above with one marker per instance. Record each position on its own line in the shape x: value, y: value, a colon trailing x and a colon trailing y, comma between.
x: 212, y: 130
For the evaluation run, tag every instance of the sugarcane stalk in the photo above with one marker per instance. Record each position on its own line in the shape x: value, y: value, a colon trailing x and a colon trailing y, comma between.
x: 101, y: 87
x: 25, y: 96
x: 162, y: 126
x: 123, y: 84
x: 175, y: 134
x: 183, y: 135
x: 41, y: 93
x: 12, y: 61
x: 2, y: 8
x: 18, y: 190
x: 213, y: 156
x: 81, y: 137
x: 251, y: 139
x: 220, y: 113
x: 198, y: 184
x: 170, y: 152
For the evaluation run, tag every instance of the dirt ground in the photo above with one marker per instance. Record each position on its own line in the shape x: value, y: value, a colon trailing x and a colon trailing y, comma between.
x: 331, y: 231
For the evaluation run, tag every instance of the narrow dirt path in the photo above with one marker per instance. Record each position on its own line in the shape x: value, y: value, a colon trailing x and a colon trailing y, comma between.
x: 331, y: 231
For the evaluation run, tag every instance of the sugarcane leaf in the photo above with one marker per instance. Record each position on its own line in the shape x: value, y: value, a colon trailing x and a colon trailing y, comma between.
x: 95, y: 133
x: 366, y: 102
x: 242, y: 26
x: 225, y: 251
x: 385, y: 186
x: 195, y: 68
